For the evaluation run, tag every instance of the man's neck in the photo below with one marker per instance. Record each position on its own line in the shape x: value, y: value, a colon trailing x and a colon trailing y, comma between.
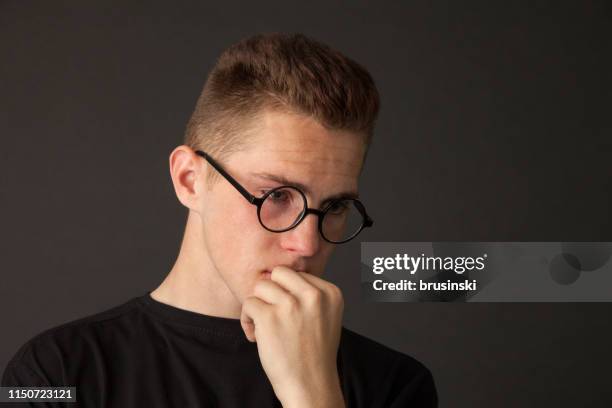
x: 193, y: 283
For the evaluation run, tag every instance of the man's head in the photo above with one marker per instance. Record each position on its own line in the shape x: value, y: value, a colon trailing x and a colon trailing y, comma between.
x: 282, y: 73
x: 275, y: 109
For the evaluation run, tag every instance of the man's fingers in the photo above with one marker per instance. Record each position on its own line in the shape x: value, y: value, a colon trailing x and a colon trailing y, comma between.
x: 290, y: 280
x: 271, y: 292
x: 329, y: 288
x: 305, y: 286
x: 253, y: 309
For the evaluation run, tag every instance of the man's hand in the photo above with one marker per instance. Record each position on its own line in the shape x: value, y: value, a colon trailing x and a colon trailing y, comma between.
x: 296, y: 319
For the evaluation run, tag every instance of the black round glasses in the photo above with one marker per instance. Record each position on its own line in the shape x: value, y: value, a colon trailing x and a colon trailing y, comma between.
x: 283, y: 208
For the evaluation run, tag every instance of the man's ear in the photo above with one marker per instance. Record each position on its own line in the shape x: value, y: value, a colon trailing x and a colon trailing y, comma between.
x: 188, y: 176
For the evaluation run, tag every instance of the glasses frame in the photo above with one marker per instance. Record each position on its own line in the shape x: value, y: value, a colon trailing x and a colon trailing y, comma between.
x: 258, y: 202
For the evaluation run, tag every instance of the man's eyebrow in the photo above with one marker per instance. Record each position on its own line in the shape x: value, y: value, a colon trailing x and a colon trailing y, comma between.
x: 285, y: 181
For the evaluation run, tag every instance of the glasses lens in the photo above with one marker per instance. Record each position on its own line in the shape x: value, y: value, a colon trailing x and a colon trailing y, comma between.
x: 282, y: 208
x: 343, y: 220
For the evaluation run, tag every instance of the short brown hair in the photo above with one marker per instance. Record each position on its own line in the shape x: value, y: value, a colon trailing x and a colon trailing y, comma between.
x: 286, y: 72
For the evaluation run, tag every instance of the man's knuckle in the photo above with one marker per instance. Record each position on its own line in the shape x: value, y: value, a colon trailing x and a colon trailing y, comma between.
x: 313, y: 296
x: 335, y: 292
x: 290, y: 303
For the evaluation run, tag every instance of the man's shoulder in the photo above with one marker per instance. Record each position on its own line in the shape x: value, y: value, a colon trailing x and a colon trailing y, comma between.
x: 359, y: 346
x: 47, y: 350
x: 366, y: 355
x: 73, y: 328
x: 391, y: 377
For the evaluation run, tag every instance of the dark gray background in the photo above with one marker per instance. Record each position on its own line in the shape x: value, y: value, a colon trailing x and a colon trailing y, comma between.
x: 495, y: 126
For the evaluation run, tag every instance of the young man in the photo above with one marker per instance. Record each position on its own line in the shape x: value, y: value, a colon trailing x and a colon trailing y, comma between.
x: 268, y: 173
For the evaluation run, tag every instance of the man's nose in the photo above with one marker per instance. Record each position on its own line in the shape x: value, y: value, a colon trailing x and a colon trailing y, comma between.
x: 305, y: 238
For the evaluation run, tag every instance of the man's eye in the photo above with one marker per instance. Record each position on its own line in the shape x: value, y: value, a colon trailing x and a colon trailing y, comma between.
x: 338, y: 207
x: 277, y: 195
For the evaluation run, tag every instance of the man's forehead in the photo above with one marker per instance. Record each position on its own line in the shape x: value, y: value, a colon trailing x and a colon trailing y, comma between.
x: 315, y: 160
x: 311, y: 174
x: 302, y: 141
x: 294, y: 150
x: 336, y: 191
x: 321, y: 161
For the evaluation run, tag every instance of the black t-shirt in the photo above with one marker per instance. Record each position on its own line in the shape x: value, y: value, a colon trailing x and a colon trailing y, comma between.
x: 145, y: 353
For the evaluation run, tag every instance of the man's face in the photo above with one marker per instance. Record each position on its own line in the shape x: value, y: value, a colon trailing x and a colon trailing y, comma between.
x: 298, y: 150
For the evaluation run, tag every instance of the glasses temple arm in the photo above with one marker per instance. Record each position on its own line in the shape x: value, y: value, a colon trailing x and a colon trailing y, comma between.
x: 251, y: 198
